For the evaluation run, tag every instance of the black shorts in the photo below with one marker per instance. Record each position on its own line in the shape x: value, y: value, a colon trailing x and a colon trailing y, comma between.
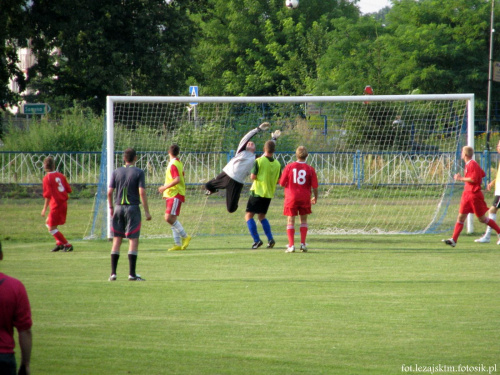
x: 496, y: 201
x: 258, y: 205
x: 127, y: 221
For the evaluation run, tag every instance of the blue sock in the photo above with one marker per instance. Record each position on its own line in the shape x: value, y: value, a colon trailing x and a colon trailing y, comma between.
x: 252, y: 227
x: 267, y: 229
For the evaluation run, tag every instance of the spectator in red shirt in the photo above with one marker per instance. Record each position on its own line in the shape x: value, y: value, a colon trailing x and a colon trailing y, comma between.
x: 472, y: 198
x: 15, y: 311
x: 298, y: 179
x: 55, y: 192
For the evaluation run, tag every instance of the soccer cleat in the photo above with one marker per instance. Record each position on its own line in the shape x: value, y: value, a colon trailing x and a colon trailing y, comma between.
x: 185, y: 242
x: 209, y: 192
x: 303, y: 247
x: 68, y: 248
x: 176, y: 248
x: 57, y: 248
x: 290, y: 249
x: 484, y: 239
x: 498, y: 242
x: 112, y: 277
x: 450, y: 242
x: 257, y: 244
x: 135, y: 278
x: 271, y: 244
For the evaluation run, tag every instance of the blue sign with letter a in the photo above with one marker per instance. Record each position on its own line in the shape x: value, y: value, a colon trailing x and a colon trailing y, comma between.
x: 193, y: 91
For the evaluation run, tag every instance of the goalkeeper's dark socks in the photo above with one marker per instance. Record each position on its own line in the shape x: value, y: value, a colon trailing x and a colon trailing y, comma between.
x: 114, y: 262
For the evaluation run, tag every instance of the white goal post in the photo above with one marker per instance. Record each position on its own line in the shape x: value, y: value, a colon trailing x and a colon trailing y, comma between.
x: 383, y: 160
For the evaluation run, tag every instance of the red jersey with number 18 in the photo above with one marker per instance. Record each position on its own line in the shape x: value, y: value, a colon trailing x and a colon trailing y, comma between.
x: 298, y: 179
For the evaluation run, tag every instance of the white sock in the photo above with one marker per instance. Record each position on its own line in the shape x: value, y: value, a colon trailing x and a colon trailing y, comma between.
x: 488, y: 228
x: 177, y: 238
x: 178, y: 226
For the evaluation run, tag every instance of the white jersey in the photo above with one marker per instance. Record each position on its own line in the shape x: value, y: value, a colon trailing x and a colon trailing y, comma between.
x: 240, y: 166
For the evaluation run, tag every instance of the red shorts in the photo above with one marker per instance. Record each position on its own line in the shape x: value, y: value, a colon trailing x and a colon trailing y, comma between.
x: 298, y: 208
x: 173, y: 206
x: 473, y: 203
x: 57, y: 215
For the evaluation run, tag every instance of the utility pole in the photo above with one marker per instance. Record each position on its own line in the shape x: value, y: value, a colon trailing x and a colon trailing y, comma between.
x: 490, y: 73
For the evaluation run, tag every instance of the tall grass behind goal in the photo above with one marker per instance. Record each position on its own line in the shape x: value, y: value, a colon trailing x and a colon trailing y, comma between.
x: 385, y: 163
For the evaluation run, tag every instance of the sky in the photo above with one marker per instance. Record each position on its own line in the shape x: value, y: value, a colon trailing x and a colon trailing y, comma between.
x: 370, y: 6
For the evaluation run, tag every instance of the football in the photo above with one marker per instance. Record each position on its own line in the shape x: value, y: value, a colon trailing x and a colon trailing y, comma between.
x: 292, y: 4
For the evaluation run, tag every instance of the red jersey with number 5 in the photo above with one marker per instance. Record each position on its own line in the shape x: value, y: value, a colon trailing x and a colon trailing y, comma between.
x: 298, y: 179
x: 55, y: 188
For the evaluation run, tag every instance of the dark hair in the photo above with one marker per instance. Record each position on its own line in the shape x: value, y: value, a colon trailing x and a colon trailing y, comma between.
x: 48, y: 163
x: 174, y: 150
x: 270, y: 146
x: 129, y: 155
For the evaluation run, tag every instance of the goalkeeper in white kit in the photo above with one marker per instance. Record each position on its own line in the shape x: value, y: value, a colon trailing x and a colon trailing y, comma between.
x: 233, y: 175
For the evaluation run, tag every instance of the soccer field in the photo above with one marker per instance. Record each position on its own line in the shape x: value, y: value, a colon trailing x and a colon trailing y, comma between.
x: 352, y: 305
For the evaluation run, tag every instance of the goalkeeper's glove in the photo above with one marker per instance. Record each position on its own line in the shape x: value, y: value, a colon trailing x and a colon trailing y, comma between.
x: 275, y: 134
x: 264, y: 126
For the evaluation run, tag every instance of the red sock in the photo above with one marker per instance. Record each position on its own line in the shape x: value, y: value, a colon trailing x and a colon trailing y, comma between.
x: 492, y: 223
x: 303, y: 233
x: 60, y: 239
x: 290, y: 231
x: 458, y: 228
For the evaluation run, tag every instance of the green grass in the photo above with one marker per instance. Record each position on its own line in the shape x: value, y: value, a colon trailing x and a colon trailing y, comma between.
x: 352, y: 305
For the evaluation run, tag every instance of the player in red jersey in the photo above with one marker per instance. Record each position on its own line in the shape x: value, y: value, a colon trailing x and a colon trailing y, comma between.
x: 472, y: 198
x: 298, y: 179
x: 55, y: 192
x: 15, y: 311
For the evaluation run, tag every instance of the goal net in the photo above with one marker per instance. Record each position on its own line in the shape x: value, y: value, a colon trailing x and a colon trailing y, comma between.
x: 385, y: 164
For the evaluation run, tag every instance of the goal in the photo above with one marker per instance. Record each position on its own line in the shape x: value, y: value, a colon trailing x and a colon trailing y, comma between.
x: 385, y: 163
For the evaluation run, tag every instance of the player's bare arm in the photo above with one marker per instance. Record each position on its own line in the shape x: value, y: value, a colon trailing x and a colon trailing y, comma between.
x: 174, y: 182
x: 314, y: 199
x: 144, y: 200
x: 45, y: 205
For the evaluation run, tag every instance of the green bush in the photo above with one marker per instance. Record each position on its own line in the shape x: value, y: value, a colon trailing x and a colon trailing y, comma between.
x: 76, y: 130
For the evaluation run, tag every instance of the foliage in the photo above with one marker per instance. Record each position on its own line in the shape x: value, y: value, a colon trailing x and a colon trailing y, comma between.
x: 100, y: 48
x: 13, y: 33
x: 78, y: 130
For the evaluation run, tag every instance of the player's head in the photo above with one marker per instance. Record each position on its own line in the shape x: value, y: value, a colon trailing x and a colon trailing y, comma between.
x: 468, y: 152
x: 174, y: 150
x: 270, y: 147
x: 301, y: 153
x: 250, y: 147
x: 129, y: 155
x: 49, y: 164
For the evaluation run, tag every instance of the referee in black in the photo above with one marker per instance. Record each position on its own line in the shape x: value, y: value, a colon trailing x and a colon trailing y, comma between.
x: 130, y: 185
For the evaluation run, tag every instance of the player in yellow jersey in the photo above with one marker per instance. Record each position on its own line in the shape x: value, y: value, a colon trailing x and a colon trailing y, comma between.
x: 265, y: 174
x: 174, y: 192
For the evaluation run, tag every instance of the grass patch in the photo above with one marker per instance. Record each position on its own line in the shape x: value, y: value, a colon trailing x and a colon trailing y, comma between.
x: 352, y: 305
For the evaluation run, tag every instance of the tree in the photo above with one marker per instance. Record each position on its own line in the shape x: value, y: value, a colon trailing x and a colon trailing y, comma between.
x: 260, y: 47
x: 88, y: 49
x: 13, y: 34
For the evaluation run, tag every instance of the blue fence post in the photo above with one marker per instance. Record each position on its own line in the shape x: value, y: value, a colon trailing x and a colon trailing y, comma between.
x: 359, y: 168
x: 230, y: 155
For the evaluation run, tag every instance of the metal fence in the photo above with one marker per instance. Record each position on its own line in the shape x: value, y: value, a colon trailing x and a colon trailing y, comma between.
x: 333, y: 168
